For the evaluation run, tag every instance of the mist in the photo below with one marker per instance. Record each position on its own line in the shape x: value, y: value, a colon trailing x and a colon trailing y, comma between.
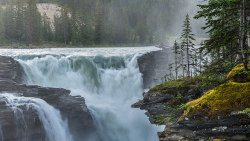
x: 99, y: 22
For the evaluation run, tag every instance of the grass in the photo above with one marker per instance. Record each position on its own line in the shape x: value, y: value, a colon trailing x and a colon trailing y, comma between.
x: 162, y: 119
x: 176, y: 86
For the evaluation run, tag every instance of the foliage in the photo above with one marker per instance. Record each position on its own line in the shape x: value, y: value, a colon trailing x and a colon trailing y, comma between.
x: 223, y: 23
x: 245, y: 111
x: 239, y: 71
x: 187, y: 44
x: 215, y: 73
x: 91, y: 22
x: 177, y: 87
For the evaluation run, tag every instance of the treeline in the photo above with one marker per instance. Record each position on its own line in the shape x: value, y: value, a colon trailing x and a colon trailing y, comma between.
x: 89, y: 22
x: 228, y: 26
x: 188, y: 59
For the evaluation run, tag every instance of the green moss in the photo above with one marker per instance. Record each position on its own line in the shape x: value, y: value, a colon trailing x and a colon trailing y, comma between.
x: 168, y: 85
x: 238, y: 74
x: 176, y: 86
x: 228, y: 97
x: 225, y: 98
x: 162, y: 119
x: 245, y: 111
x: 221, y: 100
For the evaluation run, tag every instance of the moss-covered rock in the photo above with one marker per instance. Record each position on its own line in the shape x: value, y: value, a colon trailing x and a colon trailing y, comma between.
x: 221, y: 101
x: 238, y: 74
x: 176, y: 86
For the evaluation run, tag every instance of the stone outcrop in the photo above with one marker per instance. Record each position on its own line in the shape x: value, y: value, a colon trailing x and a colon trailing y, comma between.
x: 233, y: 127
x: 72, y: 108
x: 190, y: 113
x: 154, y: 66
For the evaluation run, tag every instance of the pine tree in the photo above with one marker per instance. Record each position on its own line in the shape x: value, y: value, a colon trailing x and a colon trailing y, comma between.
x: 75, y: 23
x: 99, y: 23
x: 170, y: 75
x: 33, y: 23
x: 226, y: 27
x: 9, y: 22
x: 195, y: 64
x: 47, y: 33
x: 2, y: 37
x: 187, y: 41
x: 200, y: 59
x: 65, y: 25
x: 19, y: 20
x: 243, y: 33
x: 182, y: 59
x: 176, y: 51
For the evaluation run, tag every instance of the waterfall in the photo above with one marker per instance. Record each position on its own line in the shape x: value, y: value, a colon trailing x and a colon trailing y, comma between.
x: 55, y: 127
x: 108, y: 78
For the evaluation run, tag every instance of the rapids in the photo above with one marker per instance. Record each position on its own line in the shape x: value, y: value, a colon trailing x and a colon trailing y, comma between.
x: 108, y: 78
x: 55, y: 127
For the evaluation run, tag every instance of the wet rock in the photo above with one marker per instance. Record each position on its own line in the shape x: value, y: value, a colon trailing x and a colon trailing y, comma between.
x: 74, y: 109
x: 154, y: 103
x: 154, y: 66
x: 196, y: 127
x: 219, y: 131
x: 193, y: 94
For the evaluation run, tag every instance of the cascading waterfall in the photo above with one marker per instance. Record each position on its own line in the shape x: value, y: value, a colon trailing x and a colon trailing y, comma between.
x: 55, y: 127
x: 109, y: 80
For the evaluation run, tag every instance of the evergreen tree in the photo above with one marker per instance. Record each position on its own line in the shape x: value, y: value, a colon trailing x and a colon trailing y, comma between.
x: 65, y: 25
x: 74, y: 23
x: 243, y: 33
x: 47, y: 33
x: 182, y: 61
x: 195, y: 64
x: 89, y: 21
x: 99, y: 23
x: 33, y: 23
x: 2, y: 37
x: 19, y: 20
x: 62, y: 27
x: 225, y: 22
x: 176, y: 51
x: 187, y: 42
x: 9, y: 22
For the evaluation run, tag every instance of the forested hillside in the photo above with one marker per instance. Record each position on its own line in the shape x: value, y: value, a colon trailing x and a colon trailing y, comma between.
x: 90, y: 22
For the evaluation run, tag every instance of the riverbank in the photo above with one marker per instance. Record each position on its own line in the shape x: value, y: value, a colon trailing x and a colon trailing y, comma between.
x: 191, y: 112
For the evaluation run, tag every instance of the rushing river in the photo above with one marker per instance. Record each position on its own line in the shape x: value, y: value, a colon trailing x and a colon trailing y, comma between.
x: 108, y: 78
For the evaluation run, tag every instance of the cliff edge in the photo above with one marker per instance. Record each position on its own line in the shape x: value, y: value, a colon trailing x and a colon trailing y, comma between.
x: 73, y: 109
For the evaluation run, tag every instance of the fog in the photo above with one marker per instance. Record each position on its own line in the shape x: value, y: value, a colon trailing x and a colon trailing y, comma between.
x: 109, y: 22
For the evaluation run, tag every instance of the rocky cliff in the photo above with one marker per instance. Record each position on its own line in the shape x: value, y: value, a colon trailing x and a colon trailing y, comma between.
x: 73, y: 109
x: 190, y: 112
x: 154, y: 66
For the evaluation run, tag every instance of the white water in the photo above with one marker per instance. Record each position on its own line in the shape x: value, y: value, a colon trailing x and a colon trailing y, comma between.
x: 108, y: 78
x: 56, y: 129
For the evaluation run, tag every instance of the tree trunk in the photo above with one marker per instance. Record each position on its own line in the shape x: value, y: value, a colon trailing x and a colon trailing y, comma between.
x: 176, y: 69
x: 188, y: 69
x: 243, y: 35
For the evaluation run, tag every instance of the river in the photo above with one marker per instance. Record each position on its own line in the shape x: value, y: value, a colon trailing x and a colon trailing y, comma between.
x: 108, y: 78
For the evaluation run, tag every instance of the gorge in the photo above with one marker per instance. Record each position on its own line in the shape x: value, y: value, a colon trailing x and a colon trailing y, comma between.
x: 56, y: 81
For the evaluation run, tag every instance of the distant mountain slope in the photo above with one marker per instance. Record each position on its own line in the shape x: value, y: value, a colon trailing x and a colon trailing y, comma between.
x: 51, y: 10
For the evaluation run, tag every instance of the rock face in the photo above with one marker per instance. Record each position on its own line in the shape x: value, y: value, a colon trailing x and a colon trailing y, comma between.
x: 233, y: 127
x: 73, y: 109
x: 154, y: 66
x: 154, y: 104
x: 164, y: 106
